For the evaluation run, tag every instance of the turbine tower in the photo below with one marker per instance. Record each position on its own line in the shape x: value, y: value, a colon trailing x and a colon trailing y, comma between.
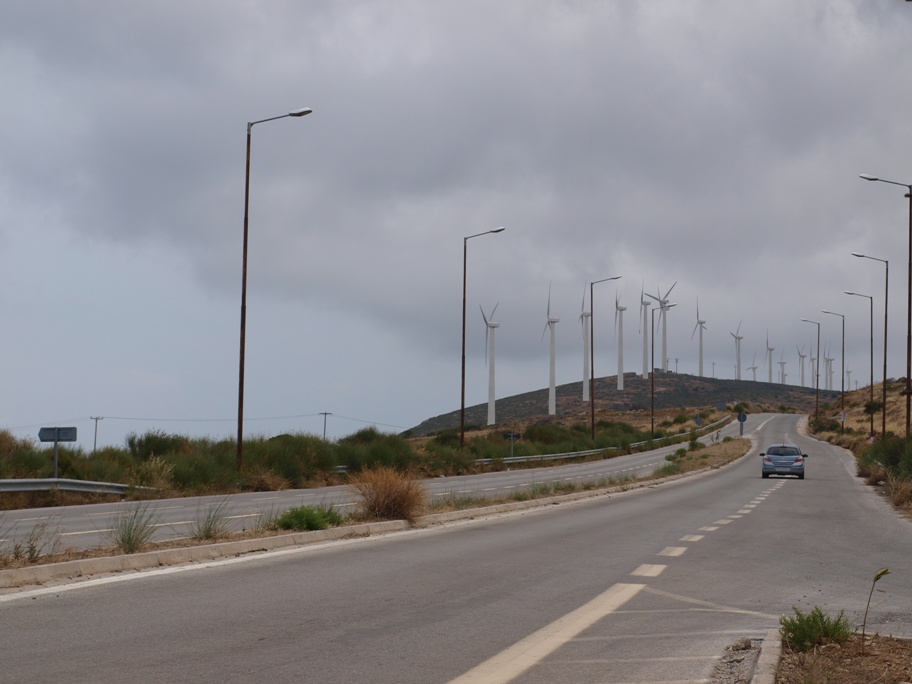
x: 663, y: 314
x: 619, y: 324
x: 490, y: 327
x: 644, y: 326
x: 782, y: 363
x: 753, y: 367
x: 702, y: 326
x: 769, y: 358
x: 738, y: 339
x: 801, y: 357
x: 585, y: 318
x: 552, y: 391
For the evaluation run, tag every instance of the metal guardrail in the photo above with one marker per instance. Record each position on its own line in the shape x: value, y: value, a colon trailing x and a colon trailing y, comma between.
x: 590, y: 452
x: 47, y: 484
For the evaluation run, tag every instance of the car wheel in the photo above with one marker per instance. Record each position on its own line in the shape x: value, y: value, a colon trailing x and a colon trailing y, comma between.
x: 765, y: 475
x: 801, y: 476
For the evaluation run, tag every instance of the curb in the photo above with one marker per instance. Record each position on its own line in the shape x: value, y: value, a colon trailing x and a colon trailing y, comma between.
x: 768, y: 660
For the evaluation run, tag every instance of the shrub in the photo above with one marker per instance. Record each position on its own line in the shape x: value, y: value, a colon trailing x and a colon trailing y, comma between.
x: 668, y: 469
x: 388, y: 494
x: 807, y: 630
x: 132, y: 529
x: 212, y: 524
x: 307, y: 518
x: 156, y: 443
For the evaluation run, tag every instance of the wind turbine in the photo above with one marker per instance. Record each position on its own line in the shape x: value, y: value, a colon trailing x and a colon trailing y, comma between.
x: 585, y: 318
x: 702, y: 326
x: 663, y: 314
x: 738, y: 339
x: 552, y: 392
x: 490, y: 327
x: 813, y: 368
x: 828, y: 368
x: 769, y: 362
x: 644, y: 305
x: 801, y: 357
x: 619, y: 324
x: 782, y: 363
x: 753, y: 367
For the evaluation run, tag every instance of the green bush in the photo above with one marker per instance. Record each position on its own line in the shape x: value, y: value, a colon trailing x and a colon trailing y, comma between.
x: 156, y: 443
x: 307, y: 518
x: 807, y: 630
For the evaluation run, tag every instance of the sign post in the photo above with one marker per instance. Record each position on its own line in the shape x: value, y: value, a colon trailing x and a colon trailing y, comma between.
x: 55, y: 435
x: 512, y: 436
x: 741, y: 418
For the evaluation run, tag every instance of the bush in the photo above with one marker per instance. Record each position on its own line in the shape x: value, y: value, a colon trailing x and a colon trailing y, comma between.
x: 388, y: 494
x: 156, y: 443
x: 132, y: 529
x: 307, y: 518
x: 807, y: 630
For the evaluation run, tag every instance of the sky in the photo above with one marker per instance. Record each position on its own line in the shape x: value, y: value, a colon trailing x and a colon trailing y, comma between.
x: 711, y: 146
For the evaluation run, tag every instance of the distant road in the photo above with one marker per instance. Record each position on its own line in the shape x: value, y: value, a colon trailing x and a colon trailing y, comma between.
x: 646, y: 586
x: 86, y: 526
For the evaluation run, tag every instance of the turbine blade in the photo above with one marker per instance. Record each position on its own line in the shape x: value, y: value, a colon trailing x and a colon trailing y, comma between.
x: 670, y: 289
x: 483, y: 315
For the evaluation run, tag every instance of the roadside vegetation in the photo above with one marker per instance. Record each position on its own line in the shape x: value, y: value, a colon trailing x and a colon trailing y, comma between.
x: 159, y: 465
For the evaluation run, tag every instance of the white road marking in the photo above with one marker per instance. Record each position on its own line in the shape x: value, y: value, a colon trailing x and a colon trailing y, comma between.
x: 708, y: 529
x: 723, y: 522
x: 512, y: 662
x: 692, y: 537
x: 673, y: 551
x: 648, y: 570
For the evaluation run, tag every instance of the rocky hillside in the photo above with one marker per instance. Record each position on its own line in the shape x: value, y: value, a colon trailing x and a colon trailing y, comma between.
x: 672, y: 391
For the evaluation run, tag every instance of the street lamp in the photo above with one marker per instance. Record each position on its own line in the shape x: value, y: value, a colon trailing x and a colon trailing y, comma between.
x: 652, y: 386
x: 871, y: 300
x: 465, y: 252
x: 842, y: 395
x: 592, y: 350
x: 240, y: 438
x: 816, y: 373
x: 886, y: 263
x: 908, y: 391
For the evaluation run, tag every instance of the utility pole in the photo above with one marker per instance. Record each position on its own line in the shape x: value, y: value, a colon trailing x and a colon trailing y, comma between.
x: 324, y: 414
x: 96, y: 419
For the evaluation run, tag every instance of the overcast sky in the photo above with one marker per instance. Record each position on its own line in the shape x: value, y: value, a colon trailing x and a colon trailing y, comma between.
x: 712, y: 144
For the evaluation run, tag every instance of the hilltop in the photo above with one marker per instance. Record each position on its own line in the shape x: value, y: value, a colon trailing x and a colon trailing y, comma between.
x: 676, y: 391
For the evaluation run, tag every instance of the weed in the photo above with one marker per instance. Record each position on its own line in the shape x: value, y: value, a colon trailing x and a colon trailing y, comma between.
x: 308, y: 518
x: 806, y: 630
x: 130, y: 530
x: 388, y: 494
x: 211, y: 524
x: 667, y: 469
x: 877, y: 575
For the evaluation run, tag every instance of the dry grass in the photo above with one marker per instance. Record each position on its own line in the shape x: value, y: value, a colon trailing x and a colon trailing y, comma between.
x: 884, y: 660
x: 388, y: 494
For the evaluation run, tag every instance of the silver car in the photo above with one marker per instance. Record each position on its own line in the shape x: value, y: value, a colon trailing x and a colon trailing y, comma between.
x: 783, y: 459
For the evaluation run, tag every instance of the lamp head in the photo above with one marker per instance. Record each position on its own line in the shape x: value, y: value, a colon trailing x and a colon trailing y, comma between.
x: 868, y: 177
x: 304, y: 111
x: 499, y: 230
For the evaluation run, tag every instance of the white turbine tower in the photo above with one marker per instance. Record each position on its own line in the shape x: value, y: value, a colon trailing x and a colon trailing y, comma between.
x: 738, y: 339
x: 619, y: 324
x: 801, y: 357
x: 644, y: 327
x: 782, y: 363
x: 490, y: 327
x: 769, y: 358
x: 552, y: 390
x: 812, y: 367
x: 663, y: 314
x: 586, y: 319
x: 702, y: 326
x: 753, y: 367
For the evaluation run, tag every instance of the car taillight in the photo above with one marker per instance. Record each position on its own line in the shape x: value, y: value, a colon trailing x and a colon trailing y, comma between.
x: 767, y: 459
x: 799, y: 459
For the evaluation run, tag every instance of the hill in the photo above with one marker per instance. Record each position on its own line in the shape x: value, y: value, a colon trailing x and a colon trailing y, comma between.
x: 672, y: 391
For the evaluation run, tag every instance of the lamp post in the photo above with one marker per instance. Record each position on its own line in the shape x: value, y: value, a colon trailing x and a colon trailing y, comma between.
x: 908, y: 390
x: 886, y: 263
x: 652, y: 386
x: 816, y: 373
x: 240, y: 437
x: 465, y: 253
x: 842, y: 381
x: 592, y: 350
x: 871, y: 300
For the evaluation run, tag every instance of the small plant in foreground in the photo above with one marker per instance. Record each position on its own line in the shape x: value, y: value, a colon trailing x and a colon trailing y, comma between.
x: 668, y: 469
x: 806, y: 630
x: 212, y: 524
x: 130, y: 530
x: 388, y: 494
x: 308, y: 518
x: 877, y: 575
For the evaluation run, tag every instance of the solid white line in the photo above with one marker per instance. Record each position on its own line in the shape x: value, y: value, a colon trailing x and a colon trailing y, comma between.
x: 512, y: 662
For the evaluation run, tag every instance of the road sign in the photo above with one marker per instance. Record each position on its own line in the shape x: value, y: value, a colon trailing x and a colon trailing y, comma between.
x: 742, y: 417
x: 512, y: 435
x: 57, y: 434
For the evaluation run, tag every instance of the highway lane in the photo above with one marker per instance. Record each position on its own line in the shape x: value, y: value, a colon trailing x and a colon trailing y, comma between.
x: 647, y: 586
x: 83, y: 527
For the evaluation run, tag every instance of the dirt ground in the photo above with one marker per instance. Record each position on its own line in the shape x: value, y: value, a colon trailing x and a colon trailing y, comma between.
x: 884, y: 660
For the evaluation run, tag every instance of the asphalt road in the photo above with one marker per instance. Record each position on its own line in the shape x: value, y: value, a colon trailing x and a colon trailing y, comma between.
x: 646, y: 586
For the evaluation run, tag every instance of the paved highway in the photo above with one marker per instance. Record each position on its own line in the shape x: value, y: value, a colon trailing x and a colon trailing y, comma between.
x: 647, y: 586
